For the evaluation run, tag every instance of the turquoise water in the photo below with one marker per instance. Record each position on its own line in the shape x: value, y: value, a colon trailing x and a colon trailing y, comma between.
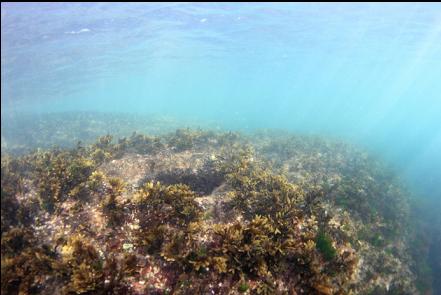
x: 366, y: 73
x: 369, y: 73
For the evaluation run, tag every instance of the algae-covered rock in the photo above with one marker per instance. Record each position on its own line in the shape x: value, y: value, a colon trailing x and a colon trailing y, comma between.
x: 205, y: 212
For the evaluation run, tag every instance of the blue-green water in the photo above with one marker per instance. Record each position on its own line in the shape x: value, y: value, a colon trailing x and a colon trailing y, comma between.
x: 367, y: 73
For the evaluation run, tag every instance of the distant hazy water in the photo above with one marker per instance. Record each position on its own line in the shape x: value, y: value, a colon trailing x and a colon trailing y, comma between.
x: 365, y: 72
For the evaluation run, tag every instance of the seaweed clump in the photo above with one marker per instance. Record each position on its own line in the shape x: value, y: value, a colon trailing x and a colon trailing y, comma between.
x: 163, y: 210
x: 112, y: 204
x: 186, y: 139
x: 84, y: 266
x: 58, y: 174
x: 26, y: 268
x: 87, y: 270
x: 12, y: 214
x: 278, y: 235
x: 138, y: 143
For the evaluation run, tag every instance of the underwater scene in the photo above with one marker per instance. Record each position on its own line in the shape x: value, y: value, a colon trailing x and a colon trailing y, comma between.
x: 221, y: 148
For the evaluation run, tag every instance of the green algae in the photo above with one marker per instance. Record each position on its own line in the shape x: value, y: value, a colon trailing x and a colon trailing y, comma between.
x: 243, y: 287
x: 324, y: 245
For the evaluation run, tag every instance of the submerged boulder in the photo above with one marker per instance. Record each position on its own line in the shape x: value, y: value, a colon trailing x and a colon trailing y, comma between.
x: 206, y: 212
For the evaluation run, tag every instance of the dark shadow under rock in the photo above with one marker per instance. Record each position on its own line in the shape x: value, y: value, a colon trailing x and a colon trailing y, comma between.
x: 202, y: 181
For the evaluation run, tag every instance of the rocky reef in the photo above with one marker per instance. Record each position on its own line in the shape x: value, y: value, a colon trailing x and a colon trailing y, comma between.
x: 203, y: 212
